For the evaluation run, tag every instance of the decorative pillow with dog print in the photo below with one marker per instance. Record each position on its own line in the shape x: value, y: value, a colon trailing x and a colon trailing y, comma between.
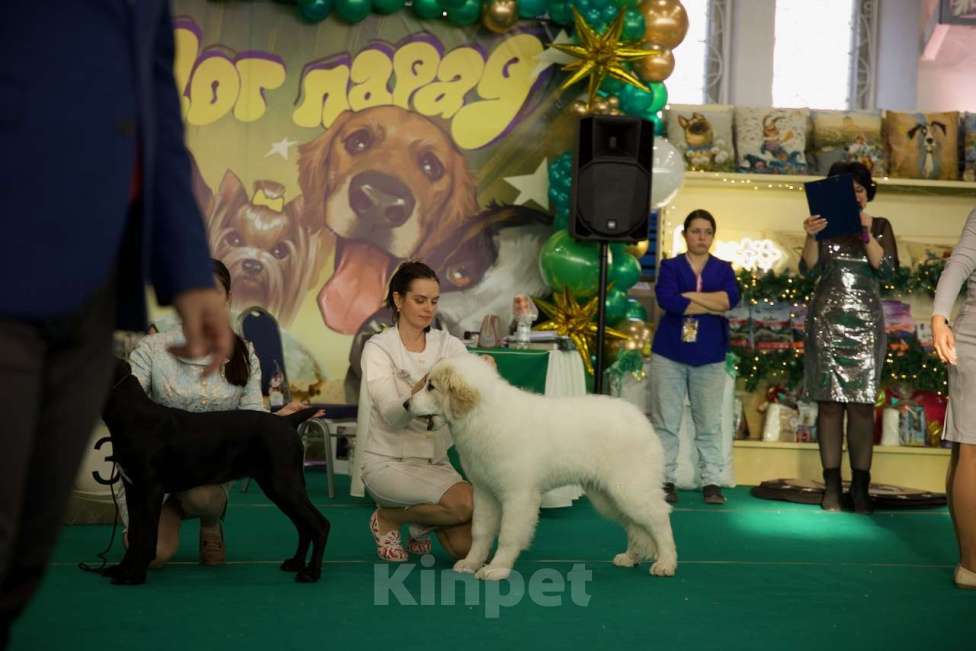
x: 923, y: 145
x: 848, y: 136
x: 969, y: 147
x: 771, y: 141
x: 704, y: 135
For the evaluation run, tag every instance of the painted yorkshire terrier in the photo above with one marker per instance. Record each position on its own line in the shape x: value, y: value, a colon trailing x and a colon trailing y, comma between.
x: 271, y: 252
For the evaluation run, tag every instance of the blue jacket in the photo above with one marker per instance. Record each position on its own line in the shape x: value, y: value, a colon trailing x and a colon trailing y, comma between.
x: 85, y: 85
x: 676, y: 277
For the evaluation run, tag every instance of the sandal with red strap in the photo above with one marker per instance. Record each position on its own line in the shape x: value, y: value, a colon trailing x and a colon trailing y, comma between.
x: 388, y: 546
x: 419, y: 541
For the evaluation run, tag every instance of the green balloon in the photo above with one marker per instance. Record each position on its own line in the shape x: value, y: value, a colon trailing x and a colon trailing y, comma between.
x: 566, y: 263
x: 616, y: 305
x: 467, y: 14
x: 387, y: 6
x: 314, y: 10
x: 660, y: 94
x: 452, y: 4
x: 427, y: 9
x: 624, y: 269
x: 353, y: 11
x: 532, y: 8
x: 635, y: 310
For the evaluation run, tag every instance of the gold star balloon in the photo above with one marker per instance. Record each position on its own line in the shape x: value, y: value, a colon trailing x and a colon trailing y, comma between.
x: 570, y: 319
x: 600, y: 55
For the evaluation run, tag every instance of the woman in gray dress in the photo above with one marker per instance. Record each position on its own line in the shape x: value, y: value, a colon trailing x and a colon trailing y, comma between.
x: 845, y: 338
x: 957, y: 347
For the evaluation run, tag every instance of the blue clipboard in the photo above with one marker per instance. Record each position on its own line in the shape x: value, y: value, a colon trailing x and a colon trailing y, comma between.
x: 833, y: 199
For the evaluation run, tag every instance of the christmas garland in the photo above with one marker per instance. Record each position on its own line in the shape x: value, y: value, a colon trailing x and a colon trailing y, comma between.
x: 911, y: 364
x: 798, y: 288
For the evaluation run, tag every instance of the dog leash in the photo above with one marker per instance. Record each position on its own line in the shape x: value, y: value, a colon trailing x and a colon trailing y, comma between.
x: 103, y: 555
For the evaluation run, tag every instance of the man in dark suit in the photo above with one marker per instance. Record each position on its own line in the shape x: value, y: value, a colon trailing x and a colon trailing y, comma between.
x: 97, y: 202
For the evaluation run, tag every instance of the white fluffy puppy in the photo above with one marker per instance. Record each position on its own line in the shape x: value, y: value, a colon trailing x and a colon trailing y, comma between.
x: 516, y: 445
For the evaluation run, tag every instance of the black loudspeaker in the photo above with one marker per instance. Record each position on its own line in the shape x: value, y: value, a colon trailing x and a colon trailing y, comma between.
x: 611, y: 197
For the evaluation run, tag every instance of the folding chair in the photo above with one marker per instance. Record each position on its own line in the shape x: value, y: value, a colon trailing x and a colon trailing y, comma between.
x: 260, y: 328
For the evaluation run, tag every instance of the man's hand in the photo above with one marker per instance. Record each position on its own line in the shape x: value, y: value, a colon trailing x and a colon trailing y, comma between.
x: 206, y: 327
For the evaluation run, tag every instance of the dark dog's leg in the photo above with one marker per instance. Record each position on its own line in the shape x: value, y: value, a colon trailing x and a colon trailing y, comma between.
x: 311, y: 525
x: 144, y: 508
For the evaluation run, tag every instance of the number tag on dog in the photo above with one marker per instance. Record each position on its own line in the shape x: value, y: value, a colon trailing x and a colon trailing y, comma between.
x: 689, y: 330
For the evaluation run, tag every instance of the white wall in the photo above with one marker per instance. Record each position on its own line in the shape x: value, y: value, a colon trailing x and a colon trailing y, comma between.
x: 899, y: 47
x: 751, y: 65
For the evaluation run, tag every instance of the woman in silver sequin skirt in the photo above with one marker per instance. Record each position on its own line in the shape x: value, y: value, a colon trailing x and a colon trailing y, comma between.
x: 845, y: 338
x: 957, y: 347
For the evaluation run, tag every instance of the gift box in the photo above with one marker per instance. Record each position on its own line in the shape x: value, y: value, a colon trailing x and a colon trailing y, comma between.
x: 772, y: 327
x: 899, y: 325
x: 740, y: 327
x: 806, y: 422
x: 911, y: 425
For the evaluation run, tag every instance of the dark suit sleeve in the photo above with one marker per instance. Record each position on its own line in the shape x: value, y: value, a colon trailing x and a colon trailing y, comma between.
x: 667, y: 290
x: 180, y: 253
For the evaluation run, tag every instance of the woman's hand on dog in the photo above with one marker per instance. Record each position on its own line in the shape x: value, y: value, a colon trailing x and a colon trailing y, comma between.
x: 421, y: 383
x: 296, y: 405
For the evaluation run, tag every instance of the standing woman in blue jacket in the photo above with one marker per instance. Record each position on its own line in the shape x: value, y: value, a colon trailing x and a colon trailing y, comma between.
x: 694, y: 289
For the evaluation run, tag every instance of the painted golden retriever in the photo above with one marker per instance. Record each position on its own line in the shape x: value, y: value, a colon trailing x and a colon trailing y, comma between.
x: 391, y: 185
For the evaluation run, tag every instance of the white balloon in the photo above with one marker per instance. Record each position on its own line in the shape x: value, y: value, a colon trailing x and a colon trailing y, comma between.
x: 668, y: 172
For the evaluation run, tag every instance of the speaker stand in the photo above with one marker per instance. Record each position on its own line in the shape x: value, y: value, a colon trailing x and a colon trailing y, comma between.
x: 601, y: 319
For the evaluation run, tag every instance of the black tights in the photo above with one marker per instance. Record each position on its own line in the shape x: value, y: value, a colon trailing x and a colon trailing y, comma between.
x: 860, y: 433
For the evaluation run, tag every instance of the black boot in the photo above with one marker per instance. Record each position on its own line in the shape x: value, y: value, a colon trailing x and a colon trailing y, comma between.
x: 832, y: 490
x: 860, y: 482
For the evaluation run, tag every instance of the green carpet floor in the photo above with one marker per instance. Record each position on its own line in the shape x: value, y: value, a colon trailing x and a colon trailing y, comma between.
x: 752, y: 575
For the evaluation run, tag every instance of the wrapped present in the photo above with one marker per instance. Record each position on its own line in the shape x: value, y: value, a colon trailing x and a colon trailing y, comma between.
x: 806, y: 422
x: 772, y: 327
x: 780, y: 423
x: 911, y: 425
x: 798, y: 323
x: 899, y: 325
x: 740, y: 327
x: 890, y: 423
x: 935, y: 411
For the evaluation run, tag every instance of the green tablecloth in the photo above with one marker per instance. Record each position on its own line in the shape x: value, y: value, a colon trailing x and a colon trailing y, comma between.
x: 526, y: 369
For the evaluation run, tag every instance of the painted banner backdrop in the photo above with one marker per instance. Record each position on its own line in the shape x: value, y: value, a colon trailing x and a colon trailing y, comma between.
x: 325, y: 154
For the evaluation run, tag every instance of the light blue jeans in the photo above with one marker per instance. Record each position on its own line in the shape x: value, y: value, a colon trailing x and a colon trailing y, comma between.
x: 670, y: 382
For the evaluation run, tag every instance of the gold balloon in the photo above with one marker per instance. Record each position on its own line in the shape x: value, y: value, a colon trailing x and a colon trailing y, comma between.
x: 638, y: 250
x: 500, y: 15
x: 599, y: 55
x: 665, y: 22
x: 656, y: 67
x: 579, y: 109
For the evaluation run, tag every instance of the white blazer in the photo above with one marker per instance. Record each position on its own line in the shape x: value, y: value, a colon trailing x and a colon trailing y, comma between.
x: 384, y: 426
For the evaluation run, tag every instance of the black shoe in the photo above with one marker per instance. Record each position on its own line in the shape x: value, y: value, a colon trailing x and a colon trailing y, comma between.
x: 670, y: 493
x: 832, y: 490
x: 713, y: 494
x: 860, y: 483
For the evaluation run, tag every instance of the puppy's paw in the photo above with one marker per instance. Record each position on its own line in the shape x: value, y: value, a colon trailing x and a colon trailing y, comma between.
x: 624, y: 560
x: 464, y: 566
x: 664, y: 568
x: 292, y: 565
x: 489, y: 573
x: 307, y: 575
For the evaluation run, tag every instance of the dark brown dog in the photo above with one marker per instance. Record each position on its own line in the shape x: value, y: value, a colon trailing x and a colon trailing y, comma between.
x: 163, y: 450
